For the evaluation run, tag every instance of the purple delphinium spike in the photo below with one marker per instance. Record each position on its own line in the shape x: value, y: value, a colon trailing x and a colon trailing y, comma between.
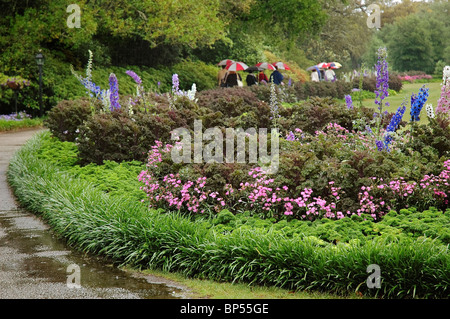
x: 380, y: 145
x: 135, y: 77
x: 175, y: 84
x: 114, y: 92
x: 382, y: 84
x: 349, y: 102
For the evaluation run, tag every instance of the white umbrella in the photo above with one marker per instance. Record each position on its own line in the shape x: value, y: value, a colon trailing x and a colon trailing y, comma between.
x: 237, y: 66
x: 265, y: 65
x: 225, y: 62
x: 281, y: 66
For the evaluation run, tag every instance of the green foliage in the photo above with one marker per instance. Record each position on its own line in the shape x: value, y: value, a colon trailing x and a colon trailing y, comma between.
x: 415, y: 40
x: 110, y: 177
x: 8, y: 125
x: 286, y: 254
x: 431, y: 140
x: 369, y: 83
x: 65, y: 118
x: 291, y: 18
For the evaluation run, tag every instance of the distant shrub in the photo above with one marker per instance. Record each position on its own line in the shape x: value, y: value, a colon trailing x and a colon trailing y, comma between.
x: 369, y: 83
x: 302, y: 91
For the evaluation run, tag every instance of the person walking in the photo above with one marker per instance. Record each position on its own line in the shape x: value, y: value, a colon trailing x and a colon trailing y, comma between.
x: 276, y: 77
x: 221, y: 76
x: 251, y: 79
x: 330, y: 75
x: 314, y: 76
x: 231, y: 79
x: 262, y: 77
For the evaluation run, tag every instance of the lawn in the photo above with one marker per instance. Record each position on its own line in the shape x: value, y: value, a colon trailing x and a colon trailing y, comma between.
x: 409, y: 88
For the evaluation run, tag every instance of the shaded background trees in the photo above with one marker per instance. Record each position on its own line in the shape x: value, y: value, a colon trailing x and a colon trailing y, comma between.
x: 156, y: 36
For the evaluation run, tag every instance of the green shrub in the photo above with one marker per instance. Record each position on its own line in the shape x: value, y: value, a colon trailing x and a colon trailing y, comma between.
x: 65, y: 119
x: 370, y: 82
x: 432, y: 138
x: 301, y: 91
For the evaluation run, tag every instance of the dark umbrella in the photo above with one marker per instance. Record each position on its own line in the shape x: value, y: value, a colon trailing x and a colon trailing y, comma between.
x: 252, y: 69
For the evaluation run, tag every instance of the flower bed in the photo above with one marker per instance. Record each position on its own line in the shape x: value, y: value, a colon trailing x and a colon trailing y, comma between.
x: 409, y: 246
x: 338, y: 165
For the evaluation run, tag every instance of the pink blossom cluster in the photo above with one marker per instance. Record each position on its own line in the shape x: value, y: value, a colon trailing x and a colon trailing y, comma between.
x: 378, y: 198
x: 412, y: 78
x: 361, y: 140
x: 261, y: 195
x: 443, y: 105
x: 170, y: 191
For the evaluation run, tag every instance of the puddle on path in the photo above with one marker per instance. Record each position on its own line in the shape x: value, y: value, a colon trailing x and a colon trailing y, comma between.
x: 29, y: 251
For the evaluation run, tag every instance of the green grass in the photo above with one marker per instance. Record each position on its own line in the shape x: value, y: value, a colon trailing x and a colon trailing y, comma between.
x: 204, y: 288
x: 409, y: 88
x: 126, y: 231
x: 6, y: 125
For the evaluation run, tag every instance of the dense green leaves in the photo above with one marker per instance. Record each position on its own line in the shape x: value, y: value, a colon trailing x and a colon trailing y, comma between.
x: 255, y: 252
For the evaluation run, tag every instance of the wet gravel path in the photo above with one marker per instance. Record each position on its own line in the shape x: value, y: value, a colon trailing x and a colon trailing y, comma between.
x: 34, y: 264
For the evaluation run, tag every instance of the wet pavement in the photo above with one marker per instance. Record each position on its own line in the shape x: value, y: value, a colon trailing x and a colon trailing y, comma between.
x: 35, y: 264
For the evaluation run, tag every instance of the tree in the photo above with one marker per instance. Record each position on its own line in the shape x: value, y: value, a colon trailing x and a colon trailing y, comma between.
x: 410, y: 45
x: 345, y: 35
x: 182, y: 22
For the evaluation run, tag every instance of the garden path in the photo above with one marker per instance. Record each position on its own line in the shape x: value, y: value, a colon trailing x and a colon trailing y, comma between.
x: 34, y: 264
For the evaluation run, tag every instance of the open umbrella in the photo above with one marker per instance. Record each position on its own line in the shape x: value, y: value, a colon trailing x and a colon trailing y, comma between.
x: 265, y: 65
x: 281, y: 66
x: 237, y: 66
x: 323, y: 65
x: 315, y: 67
x: 225, y: 62
x: 335, y: 65
x: 253, y: 68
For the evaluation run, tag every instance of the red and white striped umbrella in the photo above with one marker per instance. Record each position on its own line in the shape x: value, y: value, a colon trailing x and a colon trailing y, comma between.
x: 225, y: 62
x: 281, y: 66
x: 237, y: 66
x: 323, y: 65
x: 265, y: 65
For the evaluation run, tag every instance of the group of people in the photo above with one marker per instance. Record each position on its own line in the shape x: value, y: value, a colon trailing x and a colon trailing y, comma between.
x: 227, y: 78
x: 327, y: 75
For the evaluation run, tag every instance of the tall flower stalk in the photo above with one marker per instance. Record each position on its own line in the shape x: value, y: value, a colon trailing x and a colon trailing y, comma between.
x: 114, y: 92
x: 443, y: 104
x: 349, y: 102
x: 382, y: 84
x: 140, y: 94
x: 417, y: 102
x: 361, y: 78
x: 93, y: 90
x: 274, y: 104
x: 394, y: 124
